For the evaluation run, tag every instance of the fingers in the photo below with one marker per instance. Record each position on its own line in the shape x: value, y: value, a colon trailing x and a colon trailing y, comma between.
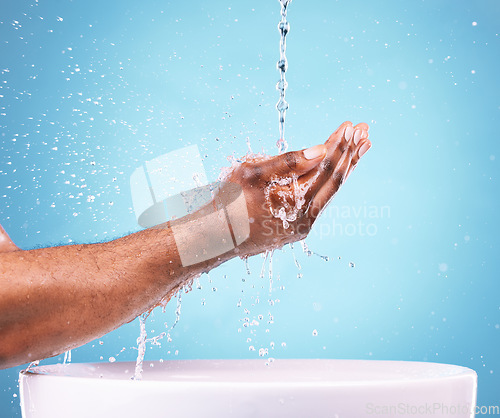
x: 332, y: 185
x: 339, y: 130
x: 295, y: 162
x: 256, y: 173
x: 337, y: 143
x: 339, y: 140
x: 357, y: 143
x: 363, y: 146
x: 317, y: 166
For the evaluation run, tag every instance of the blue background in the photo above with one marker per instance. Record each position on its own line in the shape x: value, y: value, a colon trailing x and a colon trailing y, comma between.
x: 89, y: 90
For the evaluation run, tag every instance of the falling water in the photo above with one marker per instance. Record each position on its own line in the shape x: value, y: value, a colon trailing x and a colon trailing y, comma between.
x: 282, y: 105
x: 178, y: 308
x: 271, y: 272
x: 143, y: 339
x: 263, y: 269
x: 141, y: 347
x: 67, y: 357
x: 32, y: 364
x: 247, y: 266
x: 309, y: 253
x: 297, y: 264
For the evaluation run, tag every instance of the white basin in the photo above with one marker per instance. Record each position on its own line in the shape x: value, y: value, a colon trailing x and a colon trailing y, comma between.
x: 250, y: 388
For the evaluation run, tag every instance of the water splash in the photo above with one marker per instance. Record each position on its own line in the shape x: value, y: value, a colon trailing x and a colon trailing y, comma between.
x: 156, y: 340
x: 247, y: 266
x: 290, y: 196
x: 67, y: 357
x: 271, y: 272
x: 282, y: 105
x: 249, y: 145
x: 32, y: 364
x: 198, y: 283
x: 297, y: 264
x: 143, y: 339
x: 178, y: 308
x: 309, y: 253
x: 263, y: 269
x: 141, y: 347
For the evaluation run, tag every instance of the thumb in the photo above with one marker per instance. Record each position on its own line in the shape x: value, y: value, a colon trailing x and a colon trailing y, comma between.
x: 298, y: 162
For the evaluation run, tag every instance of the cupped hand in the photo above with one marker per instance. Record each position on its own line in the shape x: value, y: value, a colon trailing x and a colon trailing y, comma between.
x: 285, y: 194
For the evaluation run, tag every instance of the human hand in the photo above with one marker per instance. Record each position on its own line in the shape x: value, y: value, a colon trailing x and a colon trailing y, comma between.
x: 285, y: 194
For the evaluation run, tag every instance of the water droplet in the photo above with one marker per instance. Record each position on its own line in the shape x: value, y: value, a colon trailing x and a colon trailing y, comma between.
x: 281, y: 85
x: 247, y: 266
x: 282, y: 105
x: 263, y: 352
x: 282, y: 65
x: 282, y: 145
x: 284, y: 27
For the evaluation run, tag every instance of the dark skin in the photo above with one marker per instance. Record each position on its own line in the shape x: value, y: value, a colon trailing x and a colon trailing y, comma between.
x: 58, y: 298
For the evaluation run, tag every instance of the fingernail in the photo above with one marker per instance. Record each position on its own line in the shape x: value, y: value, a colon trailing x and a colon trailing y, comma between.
x: 315, y: 152
x: 357, y: 136
x: 348, y: 133
x: 365, y: 147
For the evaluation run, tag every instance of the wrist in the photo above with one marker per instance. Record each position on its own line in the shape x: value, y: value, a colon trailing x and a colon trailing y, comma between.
x: 214, y: 233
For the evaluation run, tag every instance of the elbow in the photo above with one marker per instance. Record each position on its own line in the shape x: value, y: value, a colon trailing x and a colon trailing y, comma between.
x: 12, y: 353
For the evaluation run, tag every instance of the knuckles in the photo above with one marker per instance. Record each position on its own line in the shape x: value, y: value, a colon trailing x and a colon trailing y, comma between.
x: 291, y: 160
x: 338, y: 178
x: 327, y: 165
x: 251, y: 173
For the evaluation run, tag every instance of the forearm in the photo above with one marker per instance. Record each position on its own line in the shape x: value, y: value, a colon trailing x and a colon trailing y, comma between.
x: 54, y: 299
x: 57, y: 298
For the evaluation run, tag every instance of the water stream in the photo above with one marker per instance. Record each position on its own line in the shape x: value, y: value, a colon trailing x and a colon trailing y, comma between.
x: 282, y: 105
x: 286, y: 215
